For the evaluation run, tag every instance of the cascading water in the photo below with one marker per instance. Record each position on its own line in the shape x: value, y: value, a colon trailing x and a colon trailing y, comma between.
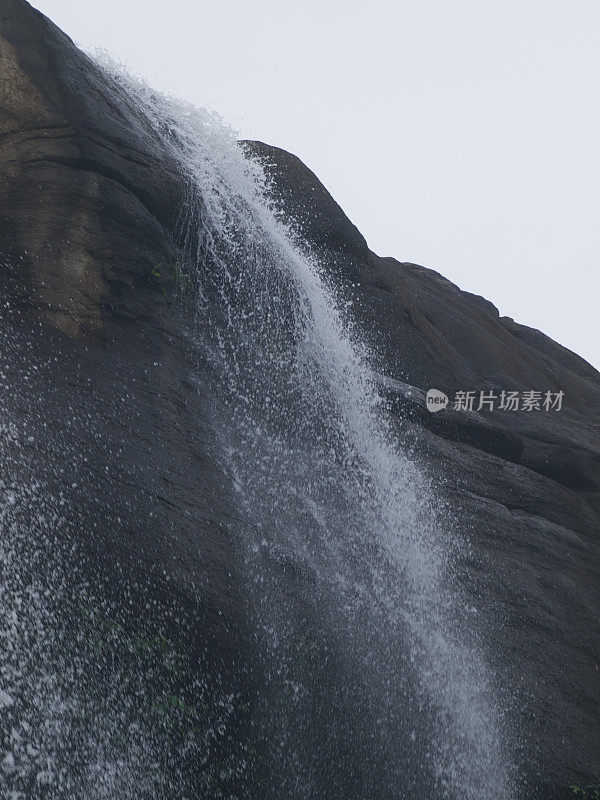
x: 349, y: 564
x: 368, y: 680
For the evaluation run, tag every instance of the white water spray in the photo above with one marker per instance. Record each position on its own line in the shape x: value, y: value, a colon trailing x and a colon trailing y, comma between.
x: 322, y: 477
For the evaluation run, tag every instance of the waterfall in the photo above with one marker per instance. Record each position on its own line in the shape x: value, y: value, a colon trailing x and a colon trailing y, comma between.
x: 342, y: 528
x: 369, y: 672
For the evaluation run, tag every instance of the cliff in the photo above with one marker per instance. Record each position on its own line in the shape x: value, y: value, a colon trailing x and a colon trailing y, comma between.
x: 113, y: 408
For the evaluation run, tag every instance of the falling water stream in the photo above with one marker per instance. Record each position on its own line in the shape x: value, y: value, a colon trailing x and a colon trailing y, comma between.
x: 339, y: 519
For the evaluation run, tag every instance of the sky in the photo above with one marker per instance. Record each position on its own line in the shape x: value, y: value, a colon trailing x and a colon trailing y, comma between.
x: 463, y: 135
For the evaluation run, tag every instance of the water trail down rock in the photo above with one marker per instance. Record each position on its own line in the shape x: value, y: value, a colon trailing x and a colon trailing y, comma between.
x: 350, y: 558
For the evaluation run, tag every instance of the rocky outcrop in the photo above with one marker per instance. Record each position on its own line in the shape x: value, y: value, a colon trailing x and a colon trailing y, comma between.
x: 100, y: 365
x: 428, y: 333
x: 526, y: 483
x: 91, y: 342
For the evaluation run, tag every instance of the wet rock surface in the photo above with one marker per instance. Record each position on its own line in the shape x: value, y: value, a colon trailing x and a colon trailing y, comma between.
x: 525, y: 483
x: 99, y: 372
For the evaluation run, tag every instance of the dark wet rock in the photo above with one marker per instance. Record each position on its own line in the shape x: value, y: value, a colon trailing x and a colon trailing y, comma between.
x: 100, y: 364
x: 99, y: 357
x: 526, y: 484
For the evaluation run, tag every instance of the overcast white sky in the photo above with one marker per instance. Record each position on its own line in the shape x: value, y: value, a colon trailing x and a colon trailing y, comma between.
x: 463, y: 135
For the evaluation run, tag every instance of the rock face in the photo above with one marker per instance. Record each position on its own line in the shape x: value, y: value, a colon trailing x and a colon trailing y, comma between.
x: 99, y: 369
x: 526, y: 483
x: 86, y: 206
x: 96, y: 357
